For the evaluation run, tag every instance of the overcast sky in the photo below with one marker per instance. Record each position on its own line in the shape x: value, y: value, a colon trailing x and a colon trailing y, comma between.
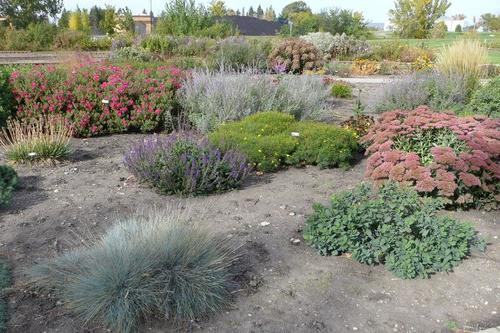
x: 374, y: 10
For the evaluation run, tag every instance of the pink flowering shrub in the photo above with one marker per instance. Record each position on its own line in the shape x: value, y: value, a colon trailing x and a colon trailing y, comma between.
x: 99, y: 99
x: 441, y: 154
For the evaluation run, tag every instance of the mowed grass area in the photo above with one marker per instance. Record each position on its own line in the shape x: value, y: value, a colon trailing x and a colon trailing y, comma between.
x: 490, y: 39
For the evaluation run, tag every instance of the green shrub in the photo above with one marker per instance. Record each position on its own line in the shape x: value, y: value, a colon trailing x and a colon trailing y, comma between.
x: 236, y: 53
x: 69, y: 39
x: 6, y: 96
x: 8, y: 181
x: 341, y: 90
x: 324, y: 145
x: 4, y: 284
x: 271, y: 140
x: 131, y: 53
x: 394, y: 227
x: 157, y: 43
x: 153, y: 264
x: 486, y: 100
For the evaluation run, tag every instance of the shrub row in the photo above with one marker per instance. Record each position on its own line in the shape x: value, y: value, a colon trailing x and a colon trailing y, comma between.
x: 394, y: 227
x: 272, y: 140
x: 439, y: 153
x: 99, y: 99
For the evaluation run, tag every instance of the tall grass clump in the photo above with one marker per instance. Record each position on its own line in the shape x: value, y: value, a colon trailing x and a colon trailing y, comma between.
x: 45, y: 138
x: 463, y: 58
x: 185, y: 163
x: 438, y: 91
x: 211, y: 98
x: 153, y: 264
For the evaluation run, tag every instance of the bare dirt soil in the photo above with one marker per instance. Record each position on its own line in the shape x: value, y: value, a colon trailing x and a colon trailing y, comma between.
x: 289, y: 287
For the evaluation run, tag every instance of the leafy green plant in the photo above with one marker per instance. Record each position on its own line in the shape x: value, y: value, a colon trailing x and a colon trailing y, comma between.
x: 8, y: 182
x: 271, y: 140
x: 4, y: 284
x: 37, y: 140
x: 394, y: 227
x: 341, y: 89
x: 422, y: 141
x: 152, y: 264
x: 486, y: 100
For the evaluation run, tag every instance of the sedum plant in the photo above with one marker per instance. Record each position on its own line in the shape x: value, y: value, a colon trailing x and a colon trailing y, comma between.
x: 151, y: 264
x: 393, y: 227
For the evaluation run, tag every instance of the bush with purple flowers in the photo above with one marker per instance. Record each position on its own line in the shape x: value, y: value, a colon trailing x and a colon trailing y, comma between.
x: 186, y: 163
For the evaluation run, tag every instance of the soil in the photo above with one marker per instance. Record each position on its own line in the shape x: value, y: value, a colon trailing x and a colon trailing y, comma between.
x: 290, y: 287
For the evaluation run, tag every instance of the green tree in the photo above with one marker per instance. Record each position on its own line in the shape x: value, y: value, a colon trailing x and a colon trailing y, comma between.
x: 63, y: 21
x: 96, y: 15
x: 416, y: 18
x: 75, y: 20
x: 217, y: 8
x: 260, y: 12
x: 183, y: 17
x: 23, y: 12
x: 339, y: 21
x: 302, y: 24
x: 251, y: 12
x: 295, y: 7
x: 125, y: 20
x: 491, y: 22
x: 109, y: 20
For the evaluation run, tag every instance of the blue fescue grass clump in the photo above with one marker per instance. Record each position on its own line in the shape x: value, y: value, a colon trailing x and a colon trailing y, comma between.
x: 148, y: 265
x: 186, y: 163
x: 4, y: 284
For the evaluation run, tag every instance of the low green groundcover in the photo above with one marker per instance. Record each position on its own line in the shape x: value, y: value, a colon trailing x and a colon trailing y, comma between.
x: 4, y: 283
x: 394, y: 227
x: 271, y: 140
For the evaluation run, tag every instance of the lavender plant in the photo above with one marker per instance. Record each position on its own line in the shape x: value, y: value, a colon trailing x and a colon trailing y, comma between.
x: 185, y: 163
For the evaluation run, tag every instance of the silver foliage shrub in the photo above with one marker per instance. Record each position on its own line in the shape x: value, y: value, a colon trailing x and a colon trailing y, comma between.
x: 210, y: 98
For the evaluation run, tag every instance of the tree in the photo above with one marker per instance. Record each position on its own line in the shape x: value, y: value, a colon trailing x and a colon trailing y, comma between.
x: 458, y: 28
x: 63, y: 21
x: 96, y: 15
x: 416, y: 18
x: 295, y: 7
x: 491, y: 22
x: 217, y: 8
x: 238, y: 13
x: 109, y: 20
x: 303, y: 23
x: 251, y: 12
x: 75, y: 20
x: 339, y: 21
x: 439, y: 31
x: 21, y: 13
x: 125, y: 20
x: 269, y: 14
x: 260, y: 12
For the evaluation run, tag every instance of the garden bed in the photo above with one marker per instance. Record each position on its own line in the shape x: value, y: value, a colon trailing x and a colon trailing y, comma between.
x: 289, y: 287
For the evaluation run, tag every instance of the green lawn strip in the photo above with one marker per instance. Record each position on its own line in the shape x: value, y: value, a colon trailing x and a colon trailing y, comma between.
x: 4, y: 284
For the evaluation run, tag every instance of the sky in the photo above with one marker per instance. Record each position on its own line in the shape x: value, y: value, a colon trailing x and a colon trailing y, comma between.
x: 374, y: 10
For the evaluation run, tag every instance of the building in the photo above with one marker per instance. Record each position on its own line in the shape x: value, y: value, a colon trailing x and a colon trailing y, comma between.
x: 452, y: 24
x: 143, y: 24
x: 252, y: 26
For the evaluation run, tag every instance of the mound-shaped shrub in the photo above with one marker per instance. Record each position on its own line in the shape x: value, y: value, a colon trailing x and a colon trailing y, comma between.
x: 341, y: 89
x: 272, y: 140
x: 185, y: 163
x: 8, y: 181
x: 99, y: 99
x: 395, y: 227
x: 297, y: 55
x: 442, y: 155
x: 486, y: 100
x: 155, y: 264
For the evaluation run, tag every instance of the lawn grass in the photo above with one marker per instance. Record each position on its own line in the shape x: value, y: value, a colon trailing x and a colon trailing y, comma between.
x: 435, y: 44
x: 4, y: 283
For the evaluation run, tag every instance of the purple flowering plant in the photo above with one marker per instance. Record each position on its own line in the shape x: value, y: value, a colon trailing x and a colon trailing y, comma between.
x: 186, y: 163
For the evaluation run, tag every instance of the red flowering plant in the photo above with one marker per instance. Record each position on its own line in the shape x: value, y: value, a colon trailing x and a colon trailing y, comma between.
x: 99, y: 99
x: 441, y: 154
